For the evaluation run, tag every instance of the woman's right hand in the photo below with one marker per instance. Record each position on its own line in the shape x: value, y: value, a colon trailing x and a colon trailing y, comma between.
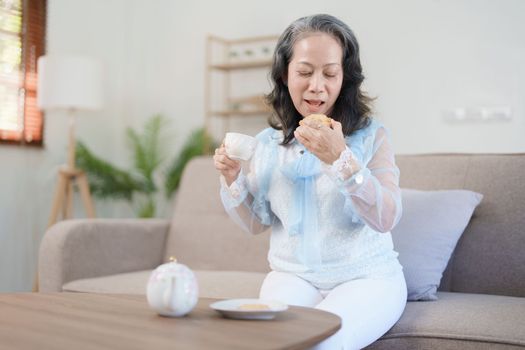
x: 228, y: 167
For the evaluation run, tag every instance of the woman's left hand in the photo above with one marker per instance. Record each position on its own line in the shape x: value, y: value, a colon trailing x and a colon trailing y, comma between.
x: 326, y: 143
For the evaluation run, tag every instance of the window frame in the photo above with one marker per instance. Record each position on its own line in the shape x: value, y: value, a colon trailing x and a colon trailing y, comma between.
x: 33, y: 44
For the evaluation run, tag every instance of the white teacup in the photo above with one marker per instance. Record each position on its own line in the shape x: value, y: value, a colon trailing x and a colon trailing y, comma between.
x: 239, y: 146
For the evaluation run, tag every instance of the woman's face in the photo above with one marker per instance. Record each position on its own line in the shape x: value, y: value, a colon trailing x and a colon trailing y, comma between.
x: 315, y: 74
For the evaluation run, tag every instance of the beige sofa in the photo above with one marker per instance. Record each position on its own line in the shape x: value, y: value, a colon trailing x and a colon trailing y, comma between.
x: 482, y: 294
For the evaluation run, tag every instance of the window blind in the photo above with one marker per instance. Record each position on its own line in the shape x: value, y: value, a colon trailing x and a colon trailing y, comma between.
x: 22, y: 41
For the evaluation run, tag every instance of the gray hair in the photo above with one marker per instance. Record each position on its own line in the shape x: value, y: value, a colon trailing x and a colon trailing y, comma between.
x: 352, y: 106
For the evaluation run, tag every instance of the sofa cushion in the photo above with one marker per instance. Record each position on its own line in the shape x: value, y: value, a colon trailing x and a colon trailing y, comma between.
x: 427, y: 234
x: 459, y: 321
x: 212, y: 284
x: 489, y: 255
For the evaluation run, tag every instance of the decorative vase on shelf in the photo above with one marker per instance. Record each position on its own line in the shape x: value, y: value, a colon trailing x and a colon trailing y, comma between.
x: 233, y: 56
x: 266, y: 53
x: 248, y: 55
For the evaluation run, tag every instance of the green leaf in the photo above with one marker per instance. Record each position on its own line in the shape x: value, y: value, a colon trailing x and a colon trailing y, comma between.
x: 106, y: 180
x: 147, y: 209
x: 146, y: 149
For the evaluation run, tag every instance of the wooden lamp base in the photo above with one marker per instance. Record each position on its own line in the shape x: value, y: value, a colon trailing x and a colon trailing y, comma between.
x: 67, y: 176
x: 63, y: 200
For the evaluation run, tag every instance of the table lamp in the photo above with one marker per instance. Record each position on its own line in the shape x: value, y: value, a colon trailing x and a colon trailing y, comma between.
x: 69, y: 83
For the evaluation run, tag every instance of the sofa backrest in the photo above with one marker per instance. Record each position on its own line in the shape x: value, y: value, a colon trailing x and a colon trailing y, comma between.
x: 490, y: 256
x: 202, y: 235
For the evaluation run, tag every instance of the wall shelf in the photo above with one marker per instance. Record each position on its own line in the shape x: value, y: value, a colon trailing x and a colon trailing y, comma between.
x: 242, y: 65
x: 223, y: 59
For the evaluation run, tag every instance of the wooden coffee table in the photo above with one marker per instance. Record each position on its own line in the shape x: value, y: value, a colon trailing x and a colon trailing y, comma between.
x: 110, y: 321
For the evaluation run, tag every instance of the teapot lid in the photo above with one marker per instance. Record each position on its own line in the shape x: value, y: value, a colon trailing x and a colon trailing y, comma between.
x: 169, y: 269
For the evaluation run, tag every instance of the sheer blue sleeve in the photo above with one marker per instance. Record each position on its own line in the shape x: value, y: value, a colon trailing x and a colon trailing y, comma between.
x: 369, y: 179
x: 245, y: 200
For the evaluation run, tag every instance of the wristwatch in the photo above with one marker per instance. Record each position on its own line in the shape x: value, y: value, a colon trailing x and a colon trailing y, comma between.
x: 359, y: 178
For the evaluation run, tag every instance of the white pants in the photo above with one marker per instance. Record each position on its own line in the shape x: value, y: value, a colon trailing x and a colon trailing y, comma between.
x: 368, y: 307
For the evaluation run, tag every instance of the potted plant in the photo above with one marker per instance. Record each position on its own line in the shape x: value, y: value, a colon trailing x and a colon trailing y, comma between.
x: 149, y: 173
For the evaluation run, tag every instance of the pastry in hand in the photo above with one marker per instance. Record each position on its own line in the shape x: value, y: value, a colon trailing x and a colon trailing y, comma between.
x: 317, y: 119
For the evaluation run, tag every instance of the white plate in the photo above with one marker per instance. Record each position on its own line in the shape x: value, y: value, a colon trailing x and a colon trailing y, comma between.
x: 233, y: 308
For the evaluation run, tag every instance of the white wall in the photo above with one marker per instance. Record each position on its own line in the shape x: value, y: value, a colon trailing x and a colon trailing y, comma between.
x: 421, y: 58
x: 96, y: 28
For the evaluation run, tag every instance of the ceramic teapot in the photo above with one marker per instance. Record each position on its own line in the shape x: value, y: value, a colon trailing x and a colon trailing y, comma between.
x: 172, y: 289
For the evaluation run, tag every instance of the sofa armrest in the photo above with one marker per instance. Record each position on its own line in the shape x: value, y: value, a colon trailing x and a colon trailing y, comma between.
x: 76, y: 249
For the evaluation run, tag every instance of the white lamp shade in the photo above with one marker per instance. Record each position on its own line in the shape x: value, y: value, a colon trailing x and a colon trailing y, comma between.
x: 69, y: 82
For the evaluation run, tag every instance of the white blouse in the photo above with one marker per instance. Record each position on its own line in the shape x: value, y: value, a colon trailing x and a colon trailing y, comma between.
x: 330, y: 223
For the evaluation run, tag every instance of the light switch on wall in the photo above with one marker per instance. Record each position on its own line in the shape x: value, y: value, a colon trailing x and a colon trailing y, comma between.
x: 478, y: 114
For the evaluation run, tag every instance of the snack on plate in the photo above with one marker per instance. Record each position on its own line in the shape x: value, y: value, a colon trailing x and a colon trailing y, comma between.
x: 320, y: 119
x: 254, y: 307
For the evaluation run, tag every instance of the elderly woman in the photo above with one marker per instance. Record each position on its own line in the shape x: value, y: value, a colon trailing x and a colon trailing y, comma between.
x: 330, y: 192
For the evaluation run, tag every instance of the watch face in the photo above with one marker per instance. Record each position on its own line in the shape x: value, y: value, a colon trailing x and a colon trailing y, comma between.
x: 359, y: 179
